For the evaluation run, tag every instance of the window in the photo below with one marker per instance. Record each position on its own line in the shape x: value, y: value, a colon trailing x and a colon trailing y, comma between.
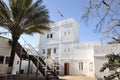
x: 69, y: 32
x: 80, y: 65
x: 51, y: 35
x: 49, y: 53
x: 68, y: 49
x: 64, y: 50
x: 54, y: 50
x: 47, y: 36
x: 64, y: 33
x: 43, y: 51
x: 91, y: 66
x: 1, y: 59
x: 7, y: 60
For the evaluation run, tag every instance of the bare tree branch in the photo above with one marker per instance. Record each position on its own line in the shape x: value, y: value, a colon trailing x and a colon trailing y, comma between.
x: 108, y: 15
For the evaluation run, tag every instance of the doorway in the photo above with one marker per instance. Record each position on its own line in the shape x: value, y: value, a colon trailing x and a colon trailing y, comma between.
x: 57, y: 67
x: 66, y: 68
x: 49, y: 53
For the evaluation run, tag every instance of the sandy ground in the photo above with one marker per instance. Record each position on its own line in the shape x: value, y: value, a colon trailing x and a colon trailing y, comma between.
x: 76, y: 78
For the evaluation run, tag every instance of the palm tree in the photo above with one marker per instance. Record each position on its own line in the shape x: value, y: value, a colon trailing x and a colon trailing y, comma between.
x: 23, y: 17
x: 112, y: 64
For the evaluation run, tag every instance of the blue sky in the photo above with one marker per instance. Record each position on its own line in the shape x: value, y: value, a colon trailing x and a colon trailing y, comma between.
x: 69, y: 9
x: 72, y: 9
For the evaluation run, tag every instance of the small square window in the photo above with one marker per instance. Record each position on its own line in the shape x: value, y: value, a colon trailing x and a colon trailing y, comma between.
x: 1, y: 59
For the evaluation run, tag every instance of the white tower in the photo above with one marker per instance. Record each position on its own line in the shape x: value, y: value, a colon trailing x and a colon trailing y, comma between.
x: 55, y: 43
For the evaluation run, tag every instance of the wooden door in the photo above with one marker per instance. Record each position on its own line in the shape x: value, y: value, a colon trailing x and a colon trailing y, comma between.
x: 66, y: 69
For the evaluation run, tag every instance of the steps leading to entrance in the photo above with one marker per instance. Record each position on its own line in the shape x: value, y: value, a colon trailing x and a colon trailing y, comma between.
x: 39, y: 63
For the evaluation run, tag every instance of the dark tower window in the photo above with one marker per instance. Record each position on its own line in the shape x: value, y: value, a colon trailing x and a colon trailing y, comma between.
x: 51, y: 35
x: 47, y: 36
x: 54, y: 50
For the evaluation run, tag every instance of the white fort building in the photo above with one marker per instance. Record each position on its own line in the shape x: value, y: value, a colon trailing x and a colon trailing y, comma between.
x: 62, y: 45
x: 62, y: 50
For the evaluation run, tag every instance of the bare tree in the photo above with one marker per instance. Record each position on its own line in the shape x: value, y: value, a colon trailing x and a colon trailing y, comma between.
x: 107, y: 13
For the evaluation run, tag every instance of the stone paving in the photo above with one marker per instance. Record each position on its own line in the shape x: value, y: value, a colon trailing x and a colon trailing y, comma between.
x: 23, y: 77
x: 76, y: 78
x: 33, y: 77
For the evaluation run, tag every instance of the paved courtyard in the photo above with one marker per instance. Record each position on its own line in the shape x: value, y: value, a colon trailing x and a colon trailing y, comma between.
x: 22, y: 77
x: 33, y: 77
x: 76, y: 78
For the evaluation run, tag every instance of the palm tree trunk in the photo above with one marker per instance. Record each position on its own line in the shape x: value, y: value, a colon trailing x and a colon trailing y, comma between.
x: 15, y: 41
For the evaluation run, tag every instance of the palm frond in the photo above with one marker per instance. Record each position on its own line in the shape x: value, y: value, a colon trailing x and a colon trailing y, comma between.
x: 26, y: 17
x: 4, y: 11
x: 39, y: 28
x: 18, y: 8
x: 34, y: 13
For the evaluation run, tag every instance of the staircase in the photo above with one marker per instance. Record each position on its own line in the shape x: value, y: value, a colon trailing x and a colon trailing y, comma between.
x: 38, y: 62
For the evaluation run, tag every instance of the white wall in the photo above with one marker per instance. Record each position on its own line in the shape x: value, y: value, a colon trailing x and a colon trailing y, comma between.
x: 16, y: 64
x: 66, y: 31
x: 65, y: 35
x: 5, y: 50
x: 55, y: 36
x: 74, y: 67
x: 79, y: 52
x: 76, y: 32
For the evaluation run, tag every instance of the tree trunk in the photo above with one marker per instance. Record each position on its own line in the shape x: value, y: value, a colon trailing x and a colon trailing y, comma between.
x: 15, y: 41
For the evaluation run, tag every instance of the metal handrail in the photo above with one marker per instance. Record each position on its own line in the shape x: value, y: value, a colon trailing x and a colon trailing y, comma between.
x: 30, y: 46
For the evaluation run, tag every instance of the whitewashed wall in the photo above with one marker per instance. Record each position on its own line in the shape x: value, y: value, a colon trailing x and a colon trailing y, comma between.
x: 74, y: 67
x: 66, y: 31
x: 76, y: 53
x: 5, y: 50
x: 65, y: 35
x: 76, y: 32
